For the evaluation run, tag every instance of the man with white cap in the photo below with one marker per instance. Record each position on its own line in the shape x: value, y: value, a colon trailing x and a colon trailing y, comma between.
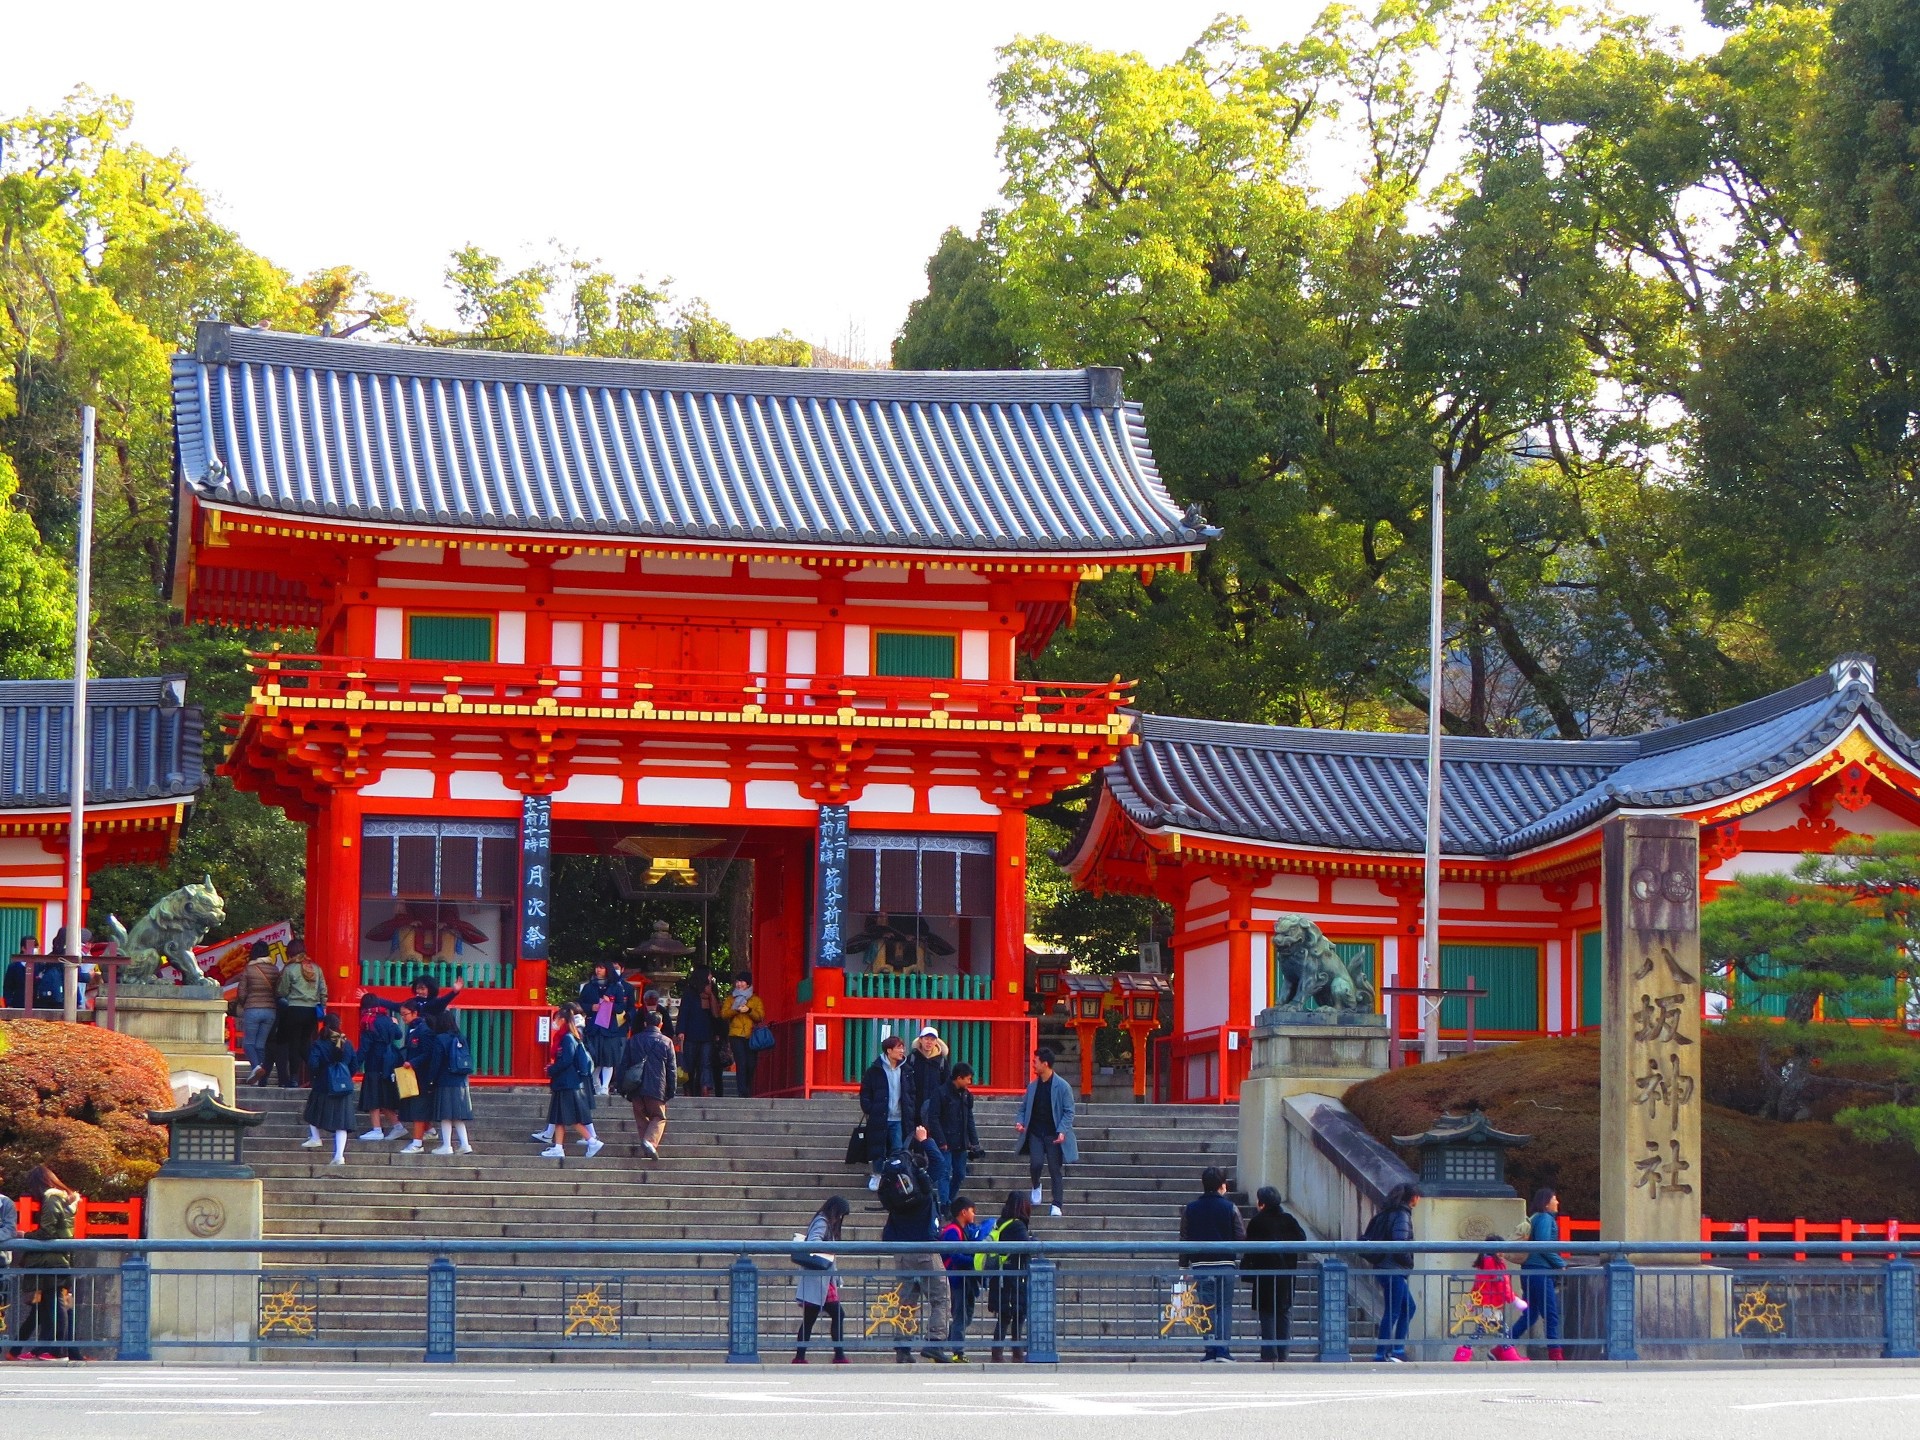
x: 926, y: 1076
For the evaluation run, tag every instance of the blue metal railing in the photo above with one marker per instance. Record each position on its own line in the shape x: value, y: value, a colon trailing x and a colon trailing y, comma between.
x: 1053, y: 1300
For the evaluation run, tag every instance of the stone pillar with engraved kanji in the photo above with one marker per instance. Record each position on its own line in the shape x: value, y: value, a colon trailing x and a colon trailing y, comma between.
x: 1650, y: 1032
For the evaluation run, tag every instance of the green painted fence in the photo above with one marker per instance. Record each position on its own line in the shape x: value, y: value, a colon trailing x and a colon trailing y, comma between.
x: 1883, y: 1002
x: 888, y: 986
x: 16, y: 923
x: 969, y: 1040
x: 490, y: 1039
x: 1510, y: 974
x: 481, y: 974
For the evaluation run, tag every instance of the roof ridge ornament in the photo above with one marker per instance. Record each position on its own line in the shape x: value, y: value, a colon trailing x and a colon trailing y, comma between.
x: 1853, y: 670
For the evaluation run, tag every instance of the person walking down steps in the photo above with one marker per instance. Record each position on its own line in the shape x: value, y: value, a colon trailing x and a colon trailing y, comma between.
x: 647, y: 1075
x: 1046, y: 1127
x: 329, y: 1111
x: 569, y: 1073
x: 451, y: 1063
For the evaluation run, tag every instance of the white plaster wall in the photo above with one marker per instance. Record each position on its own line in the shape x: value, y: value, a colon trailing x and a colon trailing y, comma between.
x: 1203, y: 985
x: 1206, y: 894
x: 890, y: 799
x: 683, y: 790
x: 958, y: 800
x: 854, y: 660
x: 1358, y: 892
x: 592, y: 790
x: 402, y: 785
x: 974, y: 649
x: 1298, y: 889
x: 776, y: 795
x: 389, y: 633
x: 1557, y: 999
x: 479, y: 785
x: 1261, y: 988
x: 510, y: 638
x: 1525, y: 897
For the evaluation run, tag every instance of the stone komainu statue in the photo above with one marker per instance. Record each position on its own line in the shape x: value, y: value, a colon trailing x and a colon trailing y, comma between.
x: 1315, y: 975
x: 168, y: 932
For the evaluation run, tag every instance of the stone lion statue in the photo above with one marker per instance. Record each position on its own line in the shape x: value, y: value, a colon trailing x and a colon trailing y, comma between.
x: 1315, y: 975
x: 168, y: 932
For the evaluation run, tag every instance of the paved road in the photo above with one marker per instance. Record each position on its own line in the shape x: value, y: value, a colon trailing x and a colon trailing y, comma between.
x: 1358, y: 1402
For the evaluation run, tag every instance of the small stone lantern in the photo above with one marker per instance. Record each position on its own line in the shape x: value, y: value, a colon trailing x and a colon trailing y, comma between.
x: 204, y: 1138
x: 1464, y: 1155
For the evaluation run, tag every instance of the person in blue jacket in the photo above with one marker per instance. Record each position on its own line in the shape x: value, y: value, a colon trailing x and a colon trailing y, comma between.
x: 381, y: 1040
x: 571, y: 1102
x: 330, y: 1064
x: 416, y: 1112
x: 451, y: 1063
x: 1539, y: 1285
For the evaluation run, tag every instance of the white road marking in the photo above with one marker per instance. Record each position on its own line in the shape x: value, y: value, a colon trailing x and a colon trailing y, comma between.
x: 1834, y: 1400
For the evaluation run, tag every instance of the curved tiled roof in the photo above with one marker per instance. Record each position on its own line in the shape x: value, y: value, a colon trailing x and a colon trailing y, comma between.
x: 143, y: 742
x: 1356, y: 790
x: 1029, y: 462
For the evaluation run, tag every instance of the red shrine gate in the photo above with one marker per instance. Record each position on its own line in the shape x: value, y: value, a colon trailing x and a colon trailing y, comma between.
x: 595, y: 605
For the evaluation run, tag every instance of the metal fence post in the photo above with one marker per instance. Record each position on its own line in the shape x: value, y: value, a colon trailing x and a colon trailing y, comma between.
x: 1333, y: 1311
x: 1622, y: 1310
x: 1043, y: 1312
x: 743, y: 1312
x: 1902, y: 1344
x: 136, y: 1311
x: 442, y: 1316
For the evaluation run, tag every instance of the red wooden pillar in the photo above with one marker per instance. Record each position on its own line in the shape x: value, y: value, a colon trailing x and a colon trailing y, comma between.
x: 335, y: 938
x: 1240, y: 890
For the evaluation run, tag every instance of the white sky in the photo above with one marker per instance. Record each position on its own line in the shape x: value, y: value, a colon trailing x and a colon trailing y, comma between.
x: 793, y: 164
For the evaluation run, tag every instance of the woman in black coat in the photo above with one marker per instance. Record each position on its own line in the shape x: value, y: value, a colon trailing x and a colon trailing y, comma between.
x: 330, y: 1063
x: 607, y: 1003
x: 1007, y: 1295
x: 1272, y: 1275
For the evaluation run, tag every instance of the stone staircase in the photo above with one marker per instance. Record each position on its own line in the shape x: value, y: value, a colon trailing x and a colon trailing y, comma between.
x: 731, y: 1169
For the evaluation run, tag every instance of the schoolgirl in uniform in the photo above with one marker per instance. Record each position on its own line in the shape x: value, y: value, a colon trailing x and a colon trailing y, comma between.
x: 451, y: 1064
x: 381, y: 1039
x: 571, y: 1098
x: 330, y: 1063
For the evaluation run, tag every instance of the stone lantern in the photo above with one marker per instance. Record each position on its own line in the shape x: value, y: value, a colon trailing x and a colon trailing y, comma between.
x: 204, y: 1139
x: 663, y: 959
x: 1463, y: 1155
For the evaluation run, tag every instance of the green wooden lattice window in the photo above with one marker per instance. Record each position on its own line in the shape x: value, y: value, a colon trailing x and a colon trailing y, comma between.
x: 449, y: 637
x: 928, y: 656
x: 1363, y: 963
x: 1593, y: 972
x: 1510, y: 974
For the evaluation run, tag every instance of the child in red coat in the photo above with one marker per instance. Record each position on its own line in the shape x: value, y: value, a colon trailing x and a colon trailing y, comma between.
x: 1486, y: 1308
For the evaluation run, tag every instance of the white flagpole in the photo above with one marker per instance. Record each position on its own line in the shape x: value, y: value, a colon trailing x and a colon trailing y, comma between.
x: 77, y: 734
x: 1430, y: 952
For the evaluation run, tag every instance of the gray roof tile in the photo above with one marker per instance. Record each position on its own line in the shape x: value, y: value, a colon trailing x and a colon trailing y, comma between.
x: 143, y: 742
x: 997, y: 461
x: 1357, y: 790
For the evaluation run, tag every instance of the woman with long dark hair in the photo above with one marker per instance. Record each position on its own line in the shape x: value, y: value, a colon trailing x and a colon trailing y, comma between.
x: 1007, y: 1292
x: 1271, y: 1274
x: 819, y: 1289
x: 330, y: 1064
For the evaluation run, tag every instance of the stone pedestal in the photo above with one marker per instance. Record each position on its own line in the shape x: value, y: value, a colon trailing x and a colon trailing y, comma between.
x: 1297, y: 1052
x: 185, y: 1023
x: 211, y: 1298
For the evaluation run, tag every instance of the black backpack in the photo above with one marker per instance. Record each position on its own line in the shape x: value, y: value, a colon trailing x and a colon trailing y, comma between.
x: 459, y: 1057
x: 902, y: 1185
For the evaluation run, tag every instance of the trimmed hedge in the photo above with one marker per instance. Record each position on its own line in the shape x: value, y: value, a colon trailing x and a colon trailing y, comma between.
x: 76, y: 1097
x: 1750, y: 1167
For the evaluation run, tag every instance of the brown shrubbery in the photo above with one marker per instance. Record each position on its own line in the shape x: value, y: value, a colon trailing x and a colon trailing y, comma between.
x: 1751, y: 1167
x: 76, y: 1097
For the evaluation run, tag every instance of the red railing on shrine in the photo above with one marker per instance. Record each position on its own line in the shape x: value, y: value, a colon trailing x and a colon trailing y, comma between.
x: 1202, y: 1067
x: 675, y: 694
x: 93, y: 1219
x: 815, y: 1053
x: 1796, y: 1229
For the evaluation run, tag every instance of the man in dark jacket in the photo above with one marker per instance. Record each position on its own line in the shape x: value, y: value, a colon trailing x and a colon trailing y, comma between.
x: 925, y: 1078
x: 694, y: 1027
x: 948, y: 1118
x: 647, y: 1066
x: 885, y: 1104
x: 1271, y: 1275
x: 1213, y: 1217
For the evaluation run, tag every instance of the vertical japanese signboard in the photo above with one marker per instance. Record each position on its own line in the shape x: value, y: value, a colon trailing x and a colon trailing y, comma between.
x: 830, y: 950
x: 1650, y: 1030
x: 536, y: 875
